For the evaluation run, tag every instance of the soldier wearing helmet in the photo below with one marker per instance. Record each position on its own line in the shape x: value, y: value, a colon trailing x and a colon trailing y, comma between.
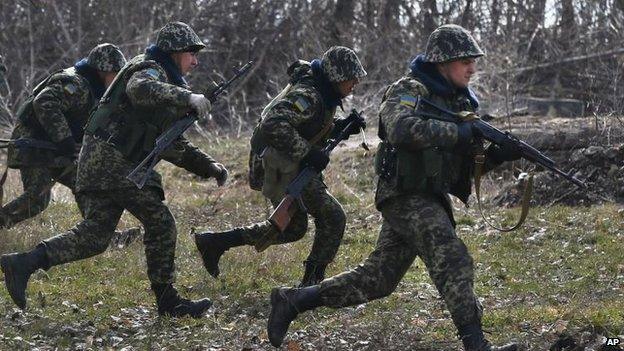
x: 147, y: 96
x: 420, y: 161
x: 294, y: 127
x: 56, y: 111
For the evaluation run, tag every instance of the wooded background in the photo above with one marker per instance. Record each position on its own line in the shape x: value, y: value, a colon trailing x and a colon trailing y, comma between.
x: 543, y: 48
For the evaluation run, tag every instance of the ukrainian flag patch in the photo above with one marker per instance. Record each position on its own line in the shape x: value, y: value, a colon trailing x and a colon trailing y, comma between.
x: 70, y: 88
x: 302, y: 104
x: 408, y: 100
x: 152, y: 72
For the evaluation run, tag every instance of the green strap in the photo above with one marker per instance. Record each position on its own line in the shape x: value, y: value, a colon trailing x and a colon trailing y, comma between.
x: 526, y: 196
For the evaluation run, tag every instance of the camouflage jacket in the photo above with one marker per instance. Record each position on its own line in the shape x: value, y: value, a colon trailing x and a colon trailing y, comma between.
x: 407, y: 131
x: 148, y: 92
x: 59, y: 111
x: 290, y: 124
x: 297, y: 121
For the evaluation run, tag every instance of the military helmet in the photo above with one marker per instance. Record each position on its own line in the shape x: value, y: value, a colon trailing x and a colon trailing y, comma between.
x: 178, y: 37
x: 106, y: 58
x: 341, y: 63
x: 451, y: 42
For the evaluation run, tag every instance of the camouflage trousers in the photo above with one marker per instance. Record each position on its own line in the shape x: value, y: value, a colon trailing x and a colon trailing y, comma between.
x: 37, y: 183
x: 329, y: 221
x: 412, y: 226
x: 102, y: 211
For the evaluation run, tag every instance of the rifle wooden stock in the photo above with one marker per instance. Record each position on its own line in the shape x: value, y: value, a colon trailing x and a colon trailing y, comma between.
x: 280, y: 218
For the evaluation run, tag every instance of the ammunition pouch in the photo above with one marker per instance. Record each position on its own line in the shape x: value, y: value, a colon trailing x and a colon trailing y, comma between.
x: 421, y: 171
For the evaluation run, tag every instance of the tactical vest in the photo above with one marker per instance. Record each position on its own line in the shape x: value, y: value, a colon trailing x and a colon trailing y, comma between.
x: 316, y: 131
x: 75, y: 118
x: 425, y: 170
x: 132, y: 130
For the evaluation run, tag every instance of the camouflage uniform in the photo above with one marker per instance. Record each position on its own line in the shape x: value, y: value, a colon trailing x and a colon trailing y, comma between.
x: 299, y: 119
x: 56, y: 112
x: 420, y: 161
x: 141, y: 103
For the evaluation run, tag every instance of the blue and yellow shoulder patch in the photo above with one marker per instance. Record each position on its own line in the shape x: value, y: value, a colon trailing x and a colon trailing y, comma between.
x: 70, y: 88
x: 408, y: 100
x: 152, y: 72
x: 302, y: 104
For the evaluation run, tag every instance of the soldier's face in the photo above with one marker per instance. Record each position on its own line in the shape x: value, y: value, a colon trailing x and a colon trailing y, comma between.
x: 345, y: 88
x: 186, y: 61
x: 459, y: 72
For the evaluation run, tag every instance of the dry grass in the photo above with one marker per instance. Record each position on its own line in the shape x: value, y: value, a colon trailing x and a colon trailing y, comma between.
x: 562, y: 272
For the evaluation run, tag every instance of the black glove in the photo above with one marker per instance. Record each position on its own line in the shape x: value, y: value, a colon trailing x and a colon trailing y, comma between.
x: 357, y: 122
x: 465, y: 134
x: 315, y: 158
x: 507, y: 151
x: 67, y: 147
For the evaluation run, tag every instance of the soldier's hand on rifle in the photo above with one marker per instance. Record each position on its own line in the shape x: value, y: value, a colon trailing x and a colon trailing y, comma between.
x: 357, y: 123
x: 466, y: 132
x: 316, y: 159
x: 218, y: 172
x: 201, y: 105
x: 507, y: 151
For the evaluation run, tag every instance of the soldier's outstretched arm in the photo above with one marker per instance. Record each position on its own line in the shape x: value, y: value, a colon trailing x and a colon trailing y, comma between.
x: 404, y: 128
x: 184, y: 154
x: 279, y: 126
x: 149, y: 87
x: 53, y: 102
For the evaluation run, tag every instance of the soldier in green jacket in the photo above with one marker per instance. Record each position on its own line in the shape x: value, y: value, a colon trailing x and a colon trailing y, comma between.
x: 148, y: 95
x: 420, y: 162
x: 56, y: 112
x: 293, y: 129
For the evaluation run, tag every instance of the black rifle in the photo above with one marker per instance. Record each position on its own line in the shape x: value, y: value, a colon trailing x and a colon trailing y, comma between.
x: 28, y: 143
x: 177, y: 129
x: 498, y: 137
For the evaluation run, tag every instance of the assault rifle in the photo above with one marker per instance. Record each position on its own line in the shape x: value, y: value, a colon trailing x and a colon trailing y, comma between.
x: 496, y: 136
x: 170, y: 135
x: 280, y: 218
x: 28, y: 143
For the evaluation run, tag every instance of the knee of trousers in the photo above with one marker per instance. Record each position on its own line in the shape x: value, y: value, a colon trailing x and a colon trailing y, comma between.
x: 333, y: 216
x: 451, y: 261
x: 160, y: 224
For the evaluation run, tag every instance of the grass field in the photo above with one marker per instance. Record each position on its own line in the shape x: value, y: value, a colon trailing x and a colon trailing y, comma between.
x: 562, y: 273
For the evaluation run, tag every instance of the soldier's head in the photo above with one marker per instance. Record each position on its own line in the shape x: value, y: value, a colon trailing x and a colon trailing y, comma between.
x: 108, y: 60
x: 454, y: 51
x: 182, y: 43
x: 343, y: 68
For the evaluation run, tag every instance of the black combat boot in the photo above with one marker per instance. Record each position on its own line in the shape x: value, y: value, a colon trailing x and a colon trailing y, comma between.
x: 171, y: 304
x: 473, y: 339
x: 314, y: 273
x: 212, y: 245
x: 18, y: 267
x: 286, y: 304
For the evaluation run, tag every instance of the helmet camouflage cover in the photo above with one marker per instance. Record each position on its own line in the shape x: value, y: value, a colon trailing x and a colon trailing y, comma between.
x: 451, y: 42
x: 106, y: 58
x: 178, y: 37
x: 341, y: 64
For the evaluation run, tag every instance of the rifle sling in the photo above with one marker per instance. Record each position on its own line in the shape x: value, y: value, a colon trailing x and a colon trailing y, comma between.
x: 526, y: 195
x: 315, y: 139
